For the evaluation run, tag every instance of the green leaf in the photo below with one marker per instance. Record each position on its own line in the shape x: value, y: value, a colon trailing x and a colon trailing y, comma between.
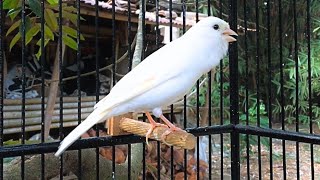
x: 316, y: 29
x: 45, y: 42
x: 56, y: 6
x: 32, y: 32
x: 70, y: 42
x: 35, y: 6
x: 48, y: 33
x: 27, y: 25
x: 12, y: 13
x: 82, y: 19
x: 70, y: 16
x: 13, y: 27
x: 51, y: 19
x: 70, y: 9
x: 53, y: 2
x: 71, y: 32
x: 10, y: 4
x: 38, y: 55
x: 14, y: 40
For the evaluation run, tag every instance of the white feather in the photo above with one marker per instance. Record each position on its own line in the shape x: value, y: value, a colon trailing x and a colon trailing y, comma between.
x: 162, y: 78
x: 91, y: 120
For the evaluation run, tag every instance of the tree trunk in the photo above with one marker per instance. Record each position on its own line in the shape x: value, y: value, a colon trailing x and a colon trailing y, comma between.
x: 137, y: 56
x: 53, y: 92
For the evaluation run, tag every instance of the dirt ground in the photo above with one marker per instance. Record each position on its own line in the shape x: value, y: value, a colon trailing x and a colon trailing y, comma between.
x: 277, y: 158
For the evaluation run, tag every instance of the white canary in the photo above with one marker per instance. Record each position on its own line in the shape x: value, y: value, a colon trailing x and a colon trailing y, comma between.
x: 162, y: 78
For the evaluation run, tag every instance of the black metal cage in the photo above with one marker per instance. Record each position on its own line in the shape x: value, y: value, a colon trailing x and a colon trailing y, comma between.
x: 255, y: 116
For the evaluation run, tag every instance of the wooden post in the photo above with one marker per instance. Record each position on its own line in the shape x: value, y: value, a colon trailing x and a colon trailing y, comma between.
x: 52, y: 92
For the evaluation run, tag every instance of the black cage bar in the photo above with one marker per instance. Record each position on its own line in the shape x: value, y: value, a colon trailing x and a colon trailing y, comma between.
x: 255, y: 116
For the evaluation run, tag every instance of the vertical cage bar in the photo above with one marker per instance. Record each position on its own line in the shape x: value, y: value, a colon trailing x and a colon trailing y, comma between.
x: 144, y: 2
x: 310, y: 104
x: 185, y: 97
x: 42, y: 61
x: 23, y: 98
x: 143, y: 9
x: 185, y: 122
x: 171, y: 106
x: 157, y: 44
x: 209, y: 109
x: 129, y: 37
x: 78, y: 81
x: 198, y: 105
x: 60, y: 63
x: 96, y: 25
x: 171, y: 148
x: 258, y: 82
x: 113, y: 74
x: 295, y: 32
x: 282, y: 89
x: 144, y: 155
x: 234, y: 91
x: 129, y: 69
x: 2, y: 20
x: 96, y: 41
x: 246, y: 85
x: 221, y: 103
x: 269, y: 70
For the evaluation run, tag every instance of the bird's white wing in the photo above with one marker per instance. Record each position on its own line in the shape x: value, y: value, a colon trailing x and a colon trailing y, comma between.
x: 141, y: 79
x: 147, y: 75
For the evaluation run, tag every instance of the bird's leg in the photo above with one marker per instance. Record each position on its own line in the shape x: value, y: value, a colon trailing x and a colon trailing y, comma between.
x: 153, y: 125
x: 171, y: 126
x: 168, y: 123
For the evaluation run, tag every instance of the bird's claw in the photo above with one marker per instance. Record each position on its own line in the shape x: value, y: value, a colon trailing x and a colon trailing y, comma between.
x: 167, y: 132
x: 153, y: 126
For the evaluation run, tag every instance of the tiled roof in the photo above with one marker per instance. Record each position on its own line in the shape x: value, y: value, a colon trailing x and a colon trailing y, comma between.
x: 149, y: 16
x: 103, y: 4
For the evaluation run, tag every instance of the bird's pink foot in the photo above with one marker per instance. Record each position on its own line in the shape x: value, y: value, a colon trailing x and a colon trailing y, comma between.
x: 172, y: 128
x: 153, y: 126
x: 167, y: 132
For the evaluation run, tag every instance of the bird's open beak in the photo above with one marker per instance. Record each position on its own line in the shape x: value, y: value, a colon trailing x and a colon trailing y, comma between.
x: 227, y: 34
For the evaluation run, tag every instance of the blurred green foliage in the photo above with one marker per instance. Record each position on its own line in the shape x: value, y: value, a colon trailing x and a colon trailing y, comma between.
x: 266, y: 51
x: 32, y: 24
x: 268, y: 48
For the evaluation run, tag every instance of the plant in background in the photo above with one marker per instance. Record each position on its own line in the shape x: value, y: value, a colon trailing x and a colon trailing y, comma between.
x: 32, y: 23
x: 251, y: 117
x: 215, y: 92
x: 303, y: 85
x: 303, y: 81
x: 249, y: 56
x: 32, y: 27
x: 317, y: 29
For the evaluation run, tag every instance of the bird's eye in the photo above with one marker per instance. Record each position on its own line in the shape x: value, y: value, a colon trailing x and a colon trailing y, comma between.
x: 216, y: 27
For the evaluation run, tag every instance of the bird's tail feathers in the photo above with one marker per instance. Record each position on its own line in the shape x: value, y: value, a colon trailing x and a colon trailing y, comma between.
x: 96, y: 116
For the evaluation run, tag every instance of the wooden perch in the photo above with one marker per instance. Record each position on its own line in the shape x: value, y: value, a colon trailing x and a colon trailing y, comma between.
x: 126, y: 125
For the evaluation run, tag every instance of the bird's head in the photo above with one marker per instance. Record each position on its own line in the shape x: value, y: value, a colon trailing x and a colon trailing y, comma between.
x: 214, y: 26
x: 211, y: 36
